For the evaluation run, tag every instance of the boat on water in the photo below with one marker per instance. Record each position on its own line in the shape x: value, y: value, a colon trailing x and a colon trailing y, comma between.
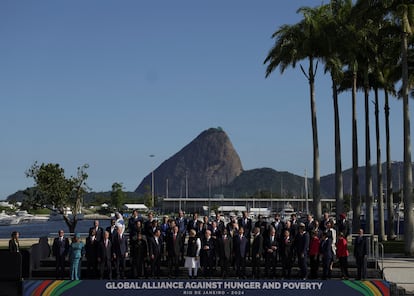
x: 21, y: 217
x: 287, y: 211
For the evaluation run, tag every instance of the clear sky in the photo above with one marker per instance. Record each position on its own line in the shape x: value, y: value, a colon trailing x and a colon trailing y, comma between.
x: 109, y: 83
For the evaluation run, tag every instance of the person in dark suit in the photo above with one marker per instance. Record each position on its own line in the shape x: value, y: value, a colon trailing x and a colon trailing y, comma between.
x: 302, y: 249
x: 14, y: 245
x: 105, y: 256
x: 182, y: 223
x: 194, y: 223
x: 270, y: 248
x: 207, y: 254
x: 155, y: 253
x: 246, y: 223
x: 327, y: 255
x: 257, y: 252
x: 174, y: 246
x: 120, y: 252
x: 225, y: 252
x: 286, y: 254
x: 112, y: 229
x: 91, y: 250
x: 98, y: 230
x: 149, y: 225
x: 139, y: 252
x: 60, y: 249
x: 241, y: 250
x: 361, y: 253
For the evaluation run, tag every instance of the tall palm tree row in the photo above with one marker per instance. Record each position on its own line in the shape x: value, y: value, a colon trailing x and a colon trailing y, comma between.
x: 363, y: 45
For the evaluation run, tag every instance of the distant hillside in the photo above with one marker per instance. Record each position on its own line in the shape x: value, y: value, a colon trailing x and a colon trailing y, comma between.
x: 267, y: 182
x: 328, y: 181
x: 209, y: 161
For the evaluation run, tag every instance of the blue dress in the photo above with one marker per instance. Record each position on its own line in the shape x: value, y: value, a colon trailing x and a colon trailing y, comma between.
x: 76, y: 251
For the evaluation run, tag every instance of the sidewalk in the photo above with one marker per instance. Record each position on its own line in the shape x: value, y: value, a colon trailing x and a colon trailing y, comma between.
x: 400, y: 271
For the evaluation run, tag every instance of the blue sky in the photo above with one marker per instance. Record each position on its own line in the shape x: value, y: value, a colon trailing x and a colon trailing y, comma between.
x: 109, y: 83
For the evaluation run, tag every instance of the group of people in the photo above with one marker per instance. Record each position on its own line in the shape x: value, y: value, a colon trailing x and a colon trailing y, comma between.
x: 213, y: 247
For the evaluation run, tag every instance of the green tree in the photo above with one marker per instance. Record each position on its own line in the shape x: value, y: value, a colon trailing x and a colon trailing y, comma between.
x: 295, y: 43
x: 117, y: 196
x: 56, y: 192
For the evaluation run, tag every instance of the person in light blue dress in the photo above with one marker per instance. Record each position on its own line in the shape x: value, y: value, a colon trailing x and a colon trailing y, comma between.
x: 76, y: 252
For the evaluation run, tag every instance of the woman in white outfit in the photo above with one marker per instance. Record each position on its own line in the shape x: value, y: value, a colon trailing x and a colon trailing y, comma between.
x: 192, y: 261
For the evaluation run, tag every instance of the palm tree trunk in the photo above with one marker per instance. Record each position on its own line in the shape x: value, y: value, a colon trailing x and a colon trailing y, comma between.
x: 369, y: 213
x: 379, y: 172
x: 339, y: 188
x: 356, y: 199
x: 408, y: 178
x: 317, y: 208
x: 390, y: 198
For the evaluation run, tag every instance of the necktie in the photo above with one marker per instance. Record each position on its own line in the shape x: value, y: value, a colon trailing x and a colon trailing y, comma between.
x: 106, y: 243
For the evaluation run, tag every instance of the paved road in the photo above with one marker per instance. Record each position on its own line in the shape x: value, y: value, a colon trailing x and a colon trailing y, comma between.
x: 400, y: 270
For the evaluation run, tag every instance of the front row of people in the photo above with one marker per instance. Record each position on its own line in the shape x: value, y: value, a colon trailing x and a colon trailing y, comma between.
x: 107, y: 256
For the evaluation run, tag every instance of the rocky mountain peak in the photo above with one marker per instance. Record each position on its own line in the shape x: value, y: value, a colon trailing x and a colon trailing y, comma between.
x: 208, y: 161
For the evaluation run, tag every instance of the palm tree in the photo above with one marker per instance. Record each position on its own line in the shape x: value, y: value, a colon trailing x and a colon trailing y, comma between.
x: 338, y: 11
x: 293, y: 44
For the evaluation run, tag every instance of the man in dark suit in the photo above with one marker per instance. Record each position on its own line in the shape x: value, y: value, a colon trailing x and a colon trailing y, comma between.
x: 286, y: 254
x: 120, y: 252
x: 207, y: 253
x: 91, y: 248
x: 194, y: 223
x: 105, y: 256
x: 225, y: 252
x: 182, y: 222
x: 361, y: 253
x: 98, y: 230
x: 302, y: 249
x: 112, y: 229
x: 155, y: 253
x: 257, y: 252
x: 327, y: 255
x: 174, y: 246
x: 60, y: 249
x: 246, y: 223
x: 270, y: 246
x: 241, y: 250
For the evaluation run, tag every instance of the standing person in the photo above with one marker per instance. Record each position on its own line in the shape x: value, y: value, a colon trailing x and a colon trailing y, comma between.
x: 105, y: 256
x: 270, y: 248
x: 155, y: 253
x: 225, y: 252
x: 181, y: 221
x: 193, y: 252
x: 286, y: 254
x: 247, y: 225
x: 314, y: 246
x: 173, y: 244
x: 302, y: 249
x: 257, y: 251
x: 342, y: 253
x: 331, y: 232
x: 60, y: 250
x: 120, y: 252
x: 14, y: 245
x: 327, y: 255
x: 207, y: 254
x: 91, y: 248
x: 76, y: 252
x: 241, y: 250
x: 98, y: 230
x: 112, y: 229
x: 324, y: 221
x: 343, y: 225
x: 139, y: 252
x: 361, y: 253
